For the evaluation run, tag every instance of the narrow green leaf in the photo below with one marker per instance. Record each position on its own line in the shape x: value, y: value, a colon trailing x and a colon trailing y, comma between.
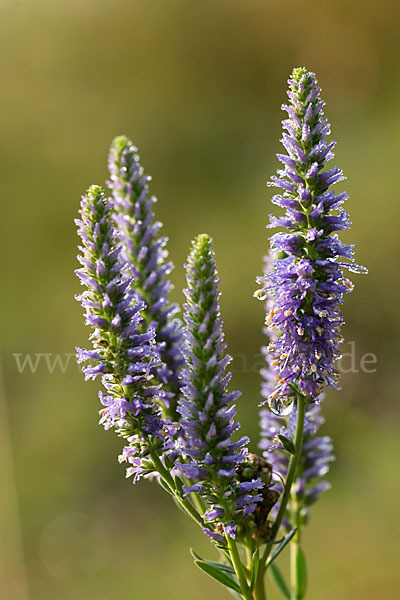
x: 178, y: 483
x: 235, y: 594
x: 279, y: 580
x: 254, y: 568
x: 222, y: 566
x: 165, y: 486
x: 287, y: 443
x: 301, y: 573
x: 278, y: 549
x: 179, y: 505
x: 218, y: 574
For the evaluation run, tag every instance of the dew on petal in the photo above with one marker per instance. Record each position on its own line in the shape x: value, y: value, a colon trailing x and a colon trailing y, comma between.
x: 260, y: 294
x: 281, y: 405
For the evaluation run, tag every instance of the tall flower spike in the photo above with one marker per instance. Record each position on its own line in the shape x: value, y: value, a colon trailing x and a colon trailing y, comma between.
x: 145, y: 251
x: 307, y: 282
x: 317, y: 452
x: 120, y: 353
x: 207, y: 410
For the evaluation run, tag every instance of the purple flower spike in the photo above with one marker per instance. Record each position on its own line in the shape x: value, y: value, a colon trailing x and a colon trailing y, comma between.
x: 146, y: 254
x: 316, y: 456
x: 317, y: 452
x: 120, y: 353
x: 206, y: 408
x: 306, y: 283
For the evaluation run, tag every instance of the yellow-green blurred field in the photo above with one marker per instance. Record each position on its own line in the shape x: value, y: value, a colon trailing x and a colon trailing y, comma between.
x: 198, y: 86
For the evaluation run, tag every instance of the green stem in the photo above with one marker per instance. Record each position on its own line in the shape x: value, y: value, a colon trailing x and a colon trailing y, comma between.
x: 190, y: 509
x: 293, y: 570
x: 249, y: 558
x: 237, y: 563
x: 294, y: 548
x: 294, y: 461
x: 259, y: 588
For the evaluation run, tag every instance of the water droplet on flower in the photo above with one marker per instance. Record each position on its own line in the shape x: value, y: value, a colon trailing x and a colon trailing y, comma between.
x: 281, y: 405
x: 260, y: 294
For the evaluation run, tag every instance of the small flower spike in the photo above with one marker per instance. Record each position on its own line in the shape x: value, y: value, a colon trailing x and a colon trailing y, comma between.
x: 207, y: 410
x: 121, y: 353
x: 316, y: 456
x: 306, y: 283
x: 146, y: 254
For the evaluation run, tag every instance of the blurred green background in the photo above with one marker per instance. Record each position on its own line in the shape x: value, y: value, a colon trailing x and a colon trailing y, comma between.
x: 198, y: 86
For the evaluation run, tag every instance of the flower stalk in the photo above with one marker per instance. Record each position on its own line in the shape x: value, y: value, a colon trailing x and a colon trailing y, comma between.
x: 295, y: 591
x: 293, y: 463
x: 237, y: 563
